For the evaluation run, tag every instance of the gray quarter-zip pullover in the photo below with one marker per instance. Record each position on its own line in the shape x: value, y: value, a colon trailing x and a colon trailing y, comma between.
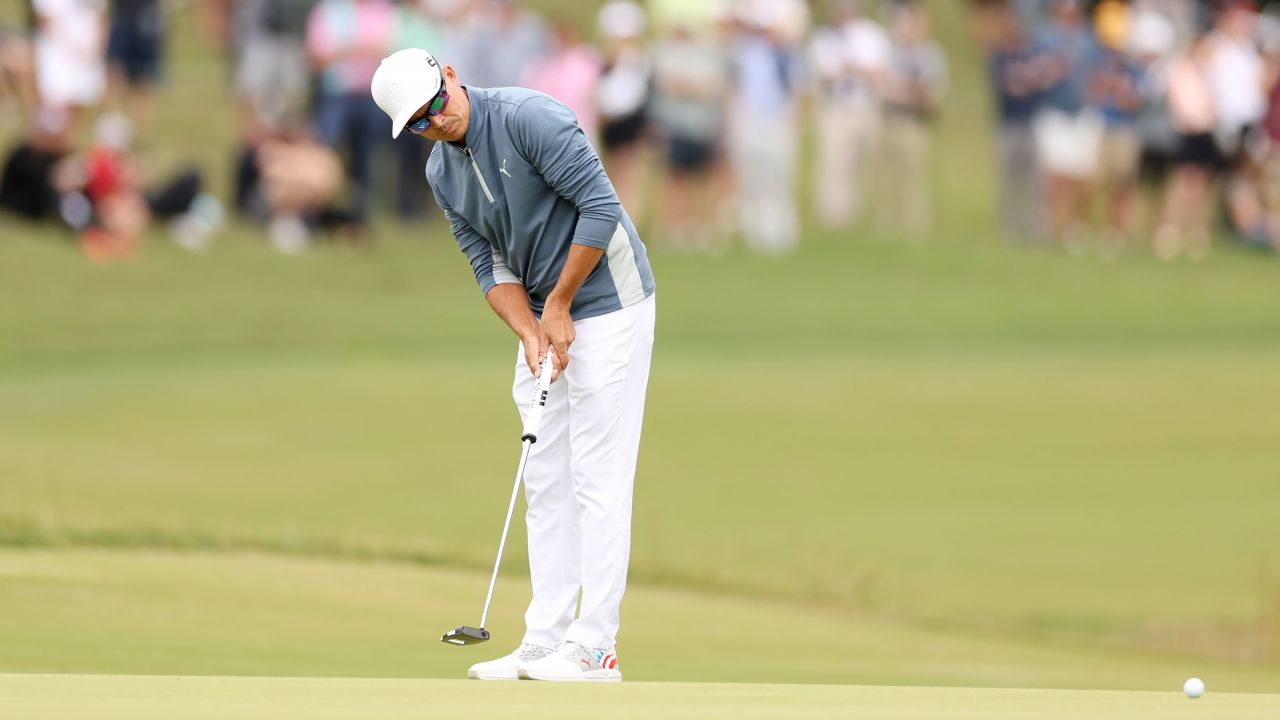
x: 522, y: 188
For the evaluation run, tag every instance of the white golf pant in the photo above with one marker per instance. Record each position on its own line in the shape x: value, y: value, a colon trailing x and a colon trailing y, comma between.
x: 579, y: 478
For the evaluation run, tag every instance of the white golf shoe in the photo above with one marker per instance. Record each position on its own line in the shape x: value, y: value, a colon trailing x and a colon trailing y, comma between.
x: 504, y: 668
x: 573, y: 663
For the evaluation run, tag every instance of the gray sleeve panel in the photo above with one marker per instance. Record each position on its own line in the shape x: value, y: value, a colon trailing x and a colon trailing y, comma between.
x: 472, y: 244
x: 546, y: 133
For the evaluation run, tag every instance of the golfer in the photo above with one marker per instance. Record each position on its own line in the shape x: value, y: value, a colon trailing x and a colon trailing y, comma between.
x: 560, y: 262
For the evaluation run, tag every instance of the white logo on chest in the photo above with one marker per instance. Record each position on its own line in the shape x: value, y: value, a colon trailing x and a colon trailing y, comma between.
x: 503, y: 169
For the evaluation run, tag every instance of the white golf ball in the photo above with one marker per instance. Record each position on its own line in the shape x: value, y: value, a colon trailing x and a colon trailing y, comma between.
x: 1194, y: 688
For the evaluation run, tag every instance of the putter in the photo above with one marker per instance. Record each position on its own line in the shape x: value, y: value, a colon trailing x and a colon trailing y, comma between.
x: 467, y: 635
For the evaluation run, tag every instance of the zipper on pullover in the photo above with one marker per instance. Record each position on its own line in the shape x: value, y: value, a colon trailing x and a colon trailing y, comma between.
x: 474, y: 166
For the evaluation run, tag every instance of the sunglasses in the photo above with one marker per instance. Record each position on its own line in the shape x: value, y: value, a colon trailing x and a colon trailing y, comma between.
x: 435, y: 107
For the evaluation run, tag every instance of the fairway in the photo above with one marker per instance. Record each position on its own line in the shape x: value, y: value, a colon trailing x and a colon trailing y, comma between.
x: 59, y: 697
x: 928, y: 449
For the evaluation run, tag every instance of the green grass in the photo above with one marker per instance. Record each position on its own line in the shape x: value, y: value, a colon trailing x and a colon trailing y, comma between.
x: 1089, y: 456
x: 214, y: 613
x: 40, y: 696
x: 948, y: 451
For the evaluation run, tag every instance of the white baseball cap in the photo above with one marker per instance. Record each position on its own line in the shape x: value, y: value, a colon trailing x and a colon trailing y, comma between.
x: 404, y: 82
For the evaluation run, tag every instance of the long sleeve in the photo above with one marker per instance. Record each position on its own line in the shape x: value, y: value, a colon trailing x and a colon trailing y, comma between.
x: 547, y: 134
x: 485, y: 262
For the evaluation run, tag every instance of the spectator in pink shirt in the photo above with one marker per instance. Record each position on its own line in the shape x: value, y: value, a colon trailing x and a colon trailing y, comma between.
x: 346, y: 39
x: 569, y: 73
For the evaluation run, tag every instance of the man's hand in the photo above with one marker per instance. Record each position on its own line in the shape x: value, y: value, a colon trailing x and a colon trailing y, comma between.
x: 555, y: 331
x: 535, y: 349
x: 556, y: 334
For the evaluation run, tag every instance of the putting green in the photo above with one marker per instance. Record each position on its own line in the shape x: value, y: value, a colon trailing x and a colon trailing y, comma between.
x: 46, y: 697
x: 147, y: 612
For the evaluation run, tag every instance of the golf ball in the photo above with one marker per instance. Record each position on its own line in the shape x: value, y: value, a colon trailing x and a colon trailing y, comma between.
x: 1194, y: 688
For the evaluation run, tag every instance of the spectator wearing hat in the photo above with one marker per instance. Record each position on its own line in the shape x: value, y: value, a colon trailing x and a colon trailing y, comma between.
x: 622, y: 98
x: 1153, y: 38
x: 1115, y: 91
x: 766, y: 56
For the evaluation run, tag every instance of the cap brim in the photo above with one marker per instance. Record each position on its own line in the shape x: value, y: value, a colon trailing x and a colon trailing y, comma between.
x: 402, y: 118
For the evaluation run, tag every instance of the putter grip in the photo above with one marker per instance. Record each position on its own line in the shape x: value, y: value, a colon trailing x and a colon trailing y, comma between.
x: 534, y: 417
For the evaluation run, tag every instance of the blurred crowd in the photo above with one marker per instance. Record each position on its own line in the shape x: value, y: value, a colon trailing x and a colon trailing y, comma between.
x: 697, y: 107
x: 1148, y: 121
x: 1118, y: 122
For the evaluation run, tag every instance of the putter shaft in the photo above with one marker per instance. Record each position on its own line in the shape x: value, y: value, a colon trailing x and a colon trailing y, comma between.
x: 506, y: 526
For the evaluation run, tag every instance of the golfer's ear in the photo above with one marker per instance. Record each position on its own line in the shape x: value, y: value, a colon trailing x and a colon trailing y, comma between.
x: 450, y: 75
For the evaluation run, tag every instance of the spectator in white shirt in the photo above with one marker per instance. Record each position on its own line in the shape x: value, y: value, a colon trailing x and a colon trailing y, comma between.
x: 849, y: 58
x: 1237, y: 76
x: 70, y: 54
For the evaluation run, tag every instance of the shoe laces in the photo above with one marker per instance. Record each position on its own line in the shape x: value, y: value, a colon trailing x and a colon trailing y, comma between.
x: 575, y: 652
x: 529, y: 651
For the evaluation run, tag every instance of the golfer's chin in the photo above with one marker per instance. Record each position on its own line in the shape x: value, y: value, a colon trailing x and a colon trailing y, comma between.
x: 450, y: 132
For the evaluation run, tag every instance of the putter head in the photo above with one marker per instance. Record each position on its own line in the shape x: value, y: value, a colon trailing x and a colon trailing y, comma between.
x: 465, y: 636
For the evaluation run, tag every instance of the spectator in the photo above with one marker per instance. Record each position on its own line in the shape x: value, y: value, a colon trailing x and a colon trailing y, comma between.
x: 125, y: 201
x: 17, y: 83
x: 1068, y: 134
x: 266, y: 44
x: 849, y: 59
x: 135, y: 50
x: 1115, y: 90
x: 1237, y: 77
x: 497, y: 42
x: 1152, y: 40
x: 69, y: 55
x: 300, y: 180
x: 291, y: 182
x: 1253, y: 192
x: 421, y: 24
x: 1018, y: 78
x: 346, y: 39
x: 568, y: 73
x: 621, y: 98
x: 1250, y: 209
x: 691, y: 74
x: 27, y: 182
x: 767, y: 82
x: 914, y: 84
x: 100, y: 193
x: 1184, y: 221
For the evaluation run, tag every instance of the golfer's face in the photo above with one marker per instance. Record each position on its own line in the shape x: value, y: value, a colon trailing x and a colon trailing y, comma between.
x: 450, y: 124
